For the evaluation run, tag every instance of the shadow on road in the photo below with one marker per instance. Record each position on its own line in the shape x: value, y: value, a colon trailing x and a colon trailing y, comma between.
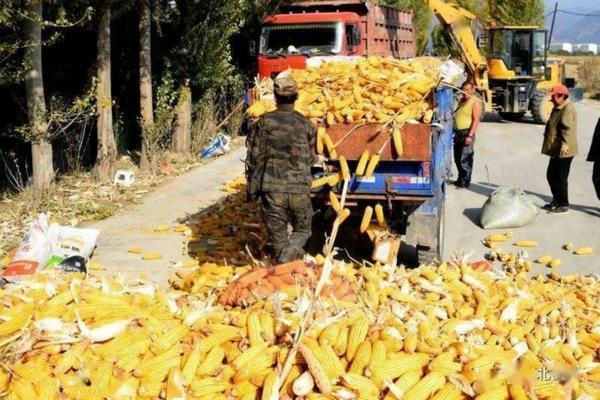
x: 472, y: 214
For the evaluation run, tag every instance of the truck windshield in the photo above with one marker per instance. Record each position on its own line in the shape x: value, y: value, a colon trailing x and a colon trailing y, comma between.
x: 301, y: 38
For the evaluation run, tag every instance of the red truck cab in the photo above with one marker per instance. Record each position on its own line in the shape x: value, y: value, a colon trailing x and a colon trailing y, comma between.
x: 347, y: 28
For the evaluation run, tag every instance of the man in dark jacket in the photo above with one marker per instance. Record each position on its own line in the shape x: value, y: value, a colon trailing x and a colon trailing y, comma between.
x: 560, y: 143
x: 280, y: 154
x: 594, y: 156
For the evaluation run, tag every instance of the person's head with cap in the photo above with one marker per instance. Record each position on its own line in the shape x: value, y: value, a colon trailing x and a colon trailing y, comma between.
x: 559, y: 94
x: 285, y: 90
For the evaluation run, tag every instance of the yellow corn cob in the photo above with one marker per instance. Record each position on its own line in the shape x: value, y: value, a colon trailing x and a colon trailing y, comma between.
x: 267, y: 325
x: 378, y: 354
x: 397, y: 139
x: 373, y: 294
x: 335, y: 203
x: 496, y: 237
x: 18, y: 318
x: 152, y: 256
x: 344, y: 168
x: 334, y: 179
x: 410, y: 342
x: 380, y: 216
x: 329, y: 334
x: 396, y: 366
x: 248, y: 355
x: 362, y: 163
x: 328, y: 142
x: 366, y: 219
x: 362, y: 358
x: 403, y: 384
x: 258, y: 379
x: 207, y: 386
x: 526, y: 243
x: 211, y: 364
x: 316, y: 369
x: 583, y: 251
x: 254, y: 329
x: 372, y: 165
x: 99, y: 381
x: 169, y: 339
x: 362, y: 385
x: 135, y: 250
x: 286, y: 388
x: 517, y: 392
x: 498, y: 393
x: 23, y: 389
x: 339, y: 346
x: 217, y: 339
x: 270, y: 387
x: 342, y: 216
x: 260, y: 363
x: 191, y: 365
x: 554, y: 263
x: 332, y: 360
x: 358, y: 333
x: 157, y: 367
x: 175, y: 389
x: 320, y: 181
x: 320, y: 144
x: 448, y: 392
x: 426, y: 387
x: 445, y: 364
x: 544, y: 260
x: 328, y: 361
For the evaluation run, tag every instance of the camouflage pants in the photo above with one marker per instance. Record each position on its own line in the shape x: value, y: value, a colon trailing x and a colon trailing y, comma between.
x: 279, y: 209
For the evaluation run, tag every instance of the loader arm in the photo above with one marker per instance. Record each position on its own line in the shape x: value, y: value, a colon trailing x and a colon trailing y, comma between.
x: 457, y: 21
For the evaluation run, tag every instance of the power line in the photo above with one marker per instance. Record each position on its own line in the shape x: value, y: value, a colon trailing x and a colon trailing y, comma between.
x: 573, y: 13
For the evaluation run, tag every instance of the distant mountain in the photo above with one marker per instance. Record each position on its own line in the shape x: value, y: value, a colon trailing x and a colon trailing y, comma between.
x: 575, y: 28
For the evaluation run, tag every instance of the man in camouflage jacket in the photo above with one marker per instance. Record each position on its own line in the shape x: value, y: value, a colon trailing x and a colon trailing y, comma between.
x: 280, y: 154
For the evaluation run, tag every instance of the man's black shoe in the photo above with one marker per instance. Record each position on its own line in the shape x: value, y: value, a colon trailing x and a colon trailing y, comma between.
x: 550, y: 206
x: 559, y: 210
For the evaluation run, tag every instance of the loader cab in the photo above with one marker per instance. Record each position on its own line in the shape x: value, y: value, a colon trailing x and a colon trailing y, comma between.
x: 517, y: 52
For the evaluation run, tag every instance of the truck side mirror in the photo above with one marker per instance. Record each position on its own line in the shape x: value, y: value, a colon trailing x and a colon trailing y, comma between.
x: 252, y: 48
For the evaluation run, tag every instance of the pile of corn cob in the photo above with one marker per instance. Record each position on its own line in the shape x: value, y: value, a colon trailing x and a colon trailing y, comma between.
x: 436, y: 332
x: 215, y: 234
x: 372, y: 90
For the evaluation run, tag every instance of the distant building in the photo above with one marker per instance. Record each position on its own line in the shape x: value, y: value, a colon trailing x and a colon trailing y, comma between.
x: 586, y: 48
x: 568, y: 47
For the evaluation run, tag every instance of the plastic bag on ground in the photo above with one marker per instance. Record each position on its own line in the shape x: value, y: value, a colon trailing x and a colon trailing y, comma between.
x: 70, y: 244
x: 34, y: 251
x: 509, y: 207
x: 218, y: 146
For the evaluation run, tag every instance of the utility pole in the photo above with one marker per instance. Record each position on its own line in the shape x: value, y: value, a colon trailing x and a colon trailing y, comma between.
x: 552, y: 26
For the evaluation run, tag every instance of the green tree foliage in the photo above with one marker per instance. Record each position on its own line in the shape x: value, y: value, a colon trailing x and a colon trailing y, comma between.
x: 517, y: 12
x: 421, y: 19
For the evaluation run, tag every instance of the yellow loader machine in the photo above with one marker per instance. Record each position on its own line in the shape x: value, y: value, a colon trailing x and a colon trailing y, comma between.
x: 516, y: 75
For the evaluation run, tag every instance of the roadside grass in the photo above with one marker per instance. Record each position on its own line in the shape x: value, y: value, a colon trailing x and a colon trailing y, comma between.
x: 586, y: 70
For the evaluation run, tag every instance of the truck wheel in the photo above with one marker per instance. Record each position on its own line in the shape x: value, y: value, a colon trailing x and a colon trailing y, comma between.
x: 541, y: 106
x: 435, y: 251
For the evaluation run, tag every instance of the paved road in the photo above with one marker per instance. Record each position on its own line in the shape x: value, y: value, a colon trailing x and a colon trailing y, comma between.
x: 185, y: 195
x: 508, y: 153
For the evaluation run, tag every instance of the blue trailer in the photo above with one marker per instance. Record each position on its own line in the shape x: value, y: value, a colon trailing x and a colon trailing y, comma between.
x: 411, y: 186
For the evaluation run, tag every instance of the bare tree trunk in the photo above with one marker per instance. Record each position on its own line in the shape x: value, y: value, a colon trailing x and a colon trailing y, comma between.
x: 182, y: 135
x: 41, y: 147
x: 146, y: 111
x: 107, y: 148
